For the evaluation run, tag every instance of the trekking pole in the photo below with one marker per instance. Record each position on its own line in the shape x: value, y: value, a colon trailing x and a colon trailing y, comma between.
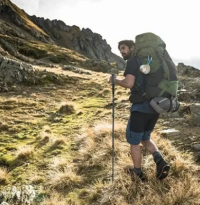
x: 113, y: 117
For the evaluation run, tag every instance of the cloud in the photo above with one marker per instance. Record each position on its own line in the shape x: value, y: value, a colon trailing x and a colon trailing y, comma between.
x: 31, y: 7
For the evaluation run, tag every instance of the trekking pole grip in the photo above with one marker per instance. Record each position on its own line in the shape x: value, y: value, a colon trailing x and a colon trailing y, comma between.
x: 113, y: 82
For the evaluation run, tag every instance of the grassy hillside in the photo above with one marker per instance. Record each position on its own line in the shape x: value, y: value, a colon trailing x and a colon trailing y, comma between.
x: 36, y: 50
x: 57, y: 138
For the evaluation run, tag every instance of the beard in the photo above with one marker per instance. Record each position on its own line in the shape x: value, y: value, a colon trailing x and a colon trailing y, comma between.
x: 127, y: 56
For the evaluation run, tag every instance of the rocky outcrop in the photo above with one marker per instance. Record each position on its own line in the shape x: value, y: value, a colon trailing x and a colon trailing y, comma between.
x: 195, y: 114
x: 19, y: 195
x: 16, y: 72
x: 48, y: 24
x: 189, y: 83
x: 13, y: 71
x: 83, y: 41
x: 186, y: 70
x: 189, y: 92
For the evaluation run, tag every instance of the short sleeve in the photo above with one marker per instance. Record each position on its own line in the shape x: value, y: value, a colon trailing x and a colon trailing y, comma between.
x: 132, y: 67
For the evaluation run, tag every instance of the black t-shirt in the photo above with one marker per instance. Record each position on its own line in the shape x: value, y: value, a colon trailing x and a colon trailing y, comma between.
x: 132, y: 66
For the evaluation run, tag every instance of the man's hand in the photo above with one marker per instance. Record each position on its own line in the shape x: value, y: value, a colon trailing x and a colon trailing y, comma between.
x: 127, y: 82
x: 111, y: 79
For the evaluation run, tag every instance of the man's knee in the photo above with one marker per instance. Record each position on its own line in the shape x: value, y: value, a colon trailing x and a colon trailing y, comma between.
x: 135, y: 149
x: 147, y: 135
x: 145, y: 142
x: 133, y: 146
x: 134, y: 138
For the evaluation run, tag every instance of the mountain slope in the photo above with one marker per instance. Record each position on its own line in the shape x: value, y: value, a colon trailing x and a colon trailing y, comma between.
x: 20, y: 27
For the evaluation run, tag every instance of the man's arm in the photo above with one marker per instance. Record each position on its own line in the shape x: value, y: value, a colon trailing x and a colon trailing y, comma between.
x: 127, y: 82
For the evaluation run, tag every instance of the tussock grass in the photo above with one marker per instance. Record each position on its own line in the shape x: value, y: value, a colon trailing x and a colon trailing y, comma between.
x: 189, y: 119
x: 45, y: 131
x: 102, y: 129
x: 4, y: 126
x: 180, y: 187
x: 4, y: 175
x: 59, y: 143
x: 182, y: 190
x: 104, y: 92
x: 24, y: 153
x: 43, y: 141
x: 95, y: 150
x: 44, y: 136
x: 61, y: 164
x: 54, y: 199
x: 65, y: 181
x: 67, y: 108
x: 96, y: 141
x: 37, y: 179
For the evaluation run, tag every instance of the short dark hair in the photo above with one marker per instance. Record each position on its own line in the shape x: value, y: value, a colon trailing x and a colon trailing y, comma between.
x: 128, y: 43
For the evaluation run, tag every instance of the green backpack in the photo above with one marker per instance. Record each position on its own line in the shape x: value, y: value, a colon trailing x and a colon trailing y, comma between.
x: 162, y: 80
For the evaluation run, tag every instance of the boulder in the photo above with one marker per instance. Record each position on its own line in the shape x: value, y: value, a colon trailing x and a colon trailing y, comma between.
x: 195, y: 113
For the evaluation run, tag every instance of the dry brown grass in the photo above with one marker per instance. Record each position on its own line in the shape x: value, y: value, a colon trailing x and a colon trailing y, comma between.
x: 36, y: 179
x: 188, y: 119
x: 102, y: 129
x: 4, y: 175
x: 65, y: 181
x: 61, y: 164
x: 96, y: 142
x: 46, y: 130
x: 54, y: 199
x: 25, y: 152
x: 180, y: 187
x: 104, y: 92
x: 59, y: 143
x: 67, y: 108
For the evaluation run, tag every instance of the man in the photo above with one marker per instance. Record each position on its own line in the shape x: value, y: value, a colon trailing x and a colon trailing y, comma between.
x: 142, y: 118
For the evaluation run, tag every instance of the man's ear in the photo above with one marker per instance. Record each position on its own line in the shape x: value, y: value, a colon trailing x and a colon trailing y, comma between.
x: 132, y: 48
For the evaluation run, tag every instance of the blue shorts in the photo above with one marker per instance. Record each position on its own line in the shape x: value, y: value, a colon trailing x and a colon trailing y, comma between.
x: 139, y: 127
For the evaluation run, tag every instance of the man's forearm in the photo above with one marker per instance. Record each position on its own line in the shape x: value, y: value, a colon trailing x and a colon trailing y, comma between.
x: 122, y: 83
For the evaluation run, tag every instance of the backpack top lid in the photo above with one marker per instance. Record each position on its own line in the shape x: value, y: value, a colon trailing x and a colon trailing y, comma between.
x: 148, y: 40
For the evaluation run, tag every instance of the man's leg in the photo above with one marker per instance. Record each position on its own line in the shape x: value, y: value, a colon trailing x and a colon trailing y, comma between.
x: 134, y: 134
x: 136, y: 155
x: 150, y: 145
x: 153, y: 149
x: 161, y: 165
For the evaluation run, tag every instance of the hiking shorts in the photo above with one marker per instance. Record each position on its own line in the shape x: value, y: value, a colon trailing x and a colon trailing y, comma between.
x: 139, y: 127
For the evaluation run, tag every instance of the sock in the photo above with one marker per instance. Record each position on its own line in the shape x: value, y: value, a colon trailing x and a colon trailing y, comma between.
x: 138, y: 171
x: 157, y: 156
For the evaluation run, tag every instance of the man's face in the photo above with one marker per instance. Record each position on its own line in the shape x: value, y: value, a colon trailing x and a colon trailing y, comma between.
x: 125, y: 51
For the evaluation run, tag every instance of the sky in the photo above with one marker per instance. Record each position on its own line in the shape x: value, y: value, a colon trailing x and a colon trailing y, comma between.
x: 175, y: 21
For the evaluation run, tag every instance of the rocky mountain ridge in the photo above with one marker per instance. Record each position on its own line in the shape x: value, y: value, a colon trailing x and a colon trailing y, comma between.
x: 16, y: 26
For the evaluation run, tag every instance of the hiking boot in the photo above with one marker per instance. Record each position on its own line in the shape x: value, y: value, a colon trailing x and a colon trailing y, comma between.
x: 162, y: 169
x: 132, y: 173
